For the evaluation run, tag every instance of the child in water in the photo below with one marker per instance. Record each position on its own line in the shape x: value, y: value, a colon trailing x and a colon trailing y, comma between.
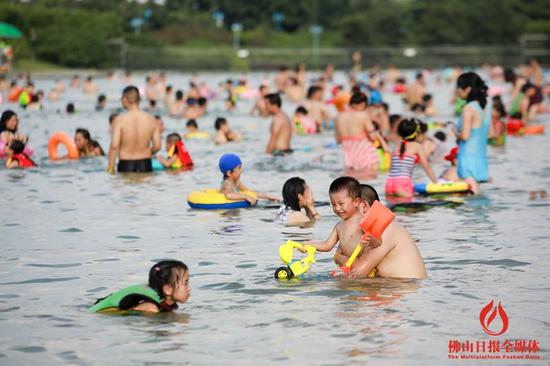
x: 395, y: 255
x: 297, y: 195
x: 224, y: 133
x: 168, y: 285
x: 231, y: 167
x: 345, y: 198
x: 85, y: 145
x: 16, y: 157
x: 303, y: 123
x: 178, y: 156
x: 404, y: 157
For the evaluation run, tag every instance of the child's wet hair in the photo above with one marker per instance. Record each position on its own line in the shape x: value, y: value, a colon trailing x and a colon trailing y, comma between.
x: 478, y: 88
x: 369, y: 194
x: 394, y: 119
x: 301, y: 109
x: 173, y: 136
x: 358, y: 98
x: 192, y: 123
x: 6, y: 116
x: 220, y: 121
x: 17, y: 146
x: 291, y: 189
x: 348, y: 184
x: 441, y: 136
x: 312, y: 90
x: 166, y: 273
x: 498, y: 105
x: 407, y: 130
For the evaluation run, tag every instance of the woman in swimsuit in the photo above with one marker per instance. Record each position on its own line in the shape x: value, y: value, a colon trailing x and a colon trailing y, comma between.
x: 297, y: 195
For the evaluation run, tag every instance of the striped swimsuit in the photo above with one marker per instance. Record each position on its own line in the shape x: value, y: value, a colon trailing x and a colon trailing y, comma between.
x: 400, y: 174
x: 360, y: 153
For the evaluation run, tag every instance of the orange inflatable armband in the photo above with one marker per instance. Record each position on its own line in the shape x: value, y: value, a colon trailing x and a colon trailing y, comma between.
x: 64, y: 139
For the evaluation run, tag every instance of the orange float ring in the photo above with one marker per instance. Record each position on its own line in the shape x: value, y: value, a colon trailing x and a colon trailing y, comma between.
x: 64, y: 139
x: 14, y: 95
x: 533, y: 130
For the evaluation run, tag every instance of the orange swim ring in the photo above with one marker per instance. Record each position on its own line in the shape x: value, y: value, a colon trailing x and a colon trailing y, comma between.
x: 64, y: 139
x: 533, y: 130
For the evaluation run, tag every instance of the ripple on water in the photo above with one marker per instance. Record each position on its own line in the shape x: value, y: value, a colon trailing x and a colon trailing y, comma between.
x: 131, y: 237
x: 71, y: 230
x: 61, y: 265
x: 40, y: 280
x: 29, y: 349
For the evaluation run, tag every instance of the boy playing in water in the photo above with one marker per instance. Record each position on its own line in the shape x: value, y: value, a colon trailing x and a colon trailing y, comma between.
x: 231, y: 167
x: 345, y: 198
x: 224, y: 133
x: 396, y: 256
x: 176, y: 159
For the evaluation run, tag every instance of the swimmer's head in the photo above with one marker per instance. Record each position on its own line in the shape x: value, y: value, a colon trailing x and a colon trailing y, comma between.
x: 368, y: 196
x: 179, y: 95
x: 130, y: 96
x: 358, y: 99
x: 441, y: 136
x: 498, y: 106
x: 528, y: 89
x: 394, y: 120
x: 294, y: 193
x: 192, y: 125
x: 301, y: 111
x: 16, y: 147
x: 112, y: 117
x: 314, y: 91
x: 273, y: 102
x: 9, y: 121
x: 70, y: 108
x: 229, y: 163
x: 202, y: 102
x: 472, y: 88
x: 408, y: 129
x: 220, y: 123
x: 345, y: 197
x: 170, y: 280
x: 82, y: 138
x: 171, y: 140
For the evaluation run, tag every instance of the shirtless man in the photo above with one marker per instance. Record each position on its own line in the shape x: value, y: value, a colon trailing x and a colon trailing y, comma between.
x: 294, y: 91
x: 89, y: 86
x: 355, y: 131
x: 282, y: 78
x: 316, y: 109
x: 395, y: 256
x: 132, y: 135
x: 261, y: 104
x: 281, y: 127
x: 176, y: 109
x: 150, y: 88
x: 416, y: 91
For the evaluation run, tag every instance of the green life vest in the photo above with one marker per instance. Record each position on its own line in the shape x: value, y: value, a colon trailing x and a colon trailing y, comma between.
x: 514, y: 108
x: 127, y: 298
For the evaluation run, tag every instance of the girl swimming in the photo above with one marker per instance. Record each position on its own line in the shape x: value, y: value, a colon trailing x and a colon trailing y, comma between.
x: 168, y: 285
x: 404, y: 157
x: 86, y: 146
x: 297, y: 195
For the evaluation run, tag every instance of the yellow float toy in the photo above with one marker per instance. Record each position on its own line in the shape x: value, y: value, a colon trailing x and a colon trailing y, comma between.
x: 213, y: 199
x: 434, y: 188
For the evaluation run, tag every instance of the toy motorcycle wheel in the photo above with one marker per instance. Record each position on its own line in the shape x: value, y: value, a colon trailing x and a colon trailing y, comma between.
x: 282, y: 273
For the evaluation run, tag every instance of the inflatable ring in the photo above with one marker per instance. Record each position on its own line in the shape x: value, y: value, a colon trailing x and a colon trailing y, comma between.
x: 157, y: 165
x: 64, y: 139
x: 213, y: 199
x: 514, y: 126
x: 533, y: 130
x: 433, y: 188
x: 197, y: 135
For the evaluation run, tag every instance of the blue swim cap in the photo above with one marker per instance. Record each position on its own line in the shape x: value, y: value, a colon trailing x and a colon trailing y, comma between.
x: 229, y: 162
x: 375, y: 97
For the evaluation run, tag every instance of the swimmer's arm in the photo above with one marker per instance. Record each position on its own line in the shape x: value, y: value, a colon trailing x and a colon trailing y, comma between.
x: 369, y: 261
x: 12, y: 164
x: 147, y: 307
x: 467, y: 116
x: 425, y: 164
x: 372, y: 134
x: 524, y: 108
x: 327, y: 245
x: 167, y: 163
x: 156, y: 139
x: 382, y: 141
x: 340, y: 258
x: 275, y: 128
x: 336, y: 133
x: 115, y: 145
x: 230, y: 194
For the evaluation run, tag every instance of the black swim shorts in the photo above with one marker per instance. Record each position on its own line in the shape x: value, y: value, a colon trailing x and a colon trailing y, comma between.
x: 136, y: 166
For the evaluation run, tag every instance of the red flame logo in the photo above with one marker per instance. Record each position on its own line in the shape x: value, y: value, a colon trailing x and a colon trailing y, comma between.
x: 487, y: 320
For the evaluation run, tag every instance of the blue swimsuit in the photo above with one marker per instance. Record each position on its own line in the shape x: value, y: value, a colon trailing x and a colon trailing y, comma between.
x: 472, y: 153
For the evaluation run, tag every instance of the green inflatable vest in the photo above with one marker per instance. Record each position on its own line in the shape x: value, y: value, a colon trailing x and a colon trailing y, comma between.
x: 126, y: 298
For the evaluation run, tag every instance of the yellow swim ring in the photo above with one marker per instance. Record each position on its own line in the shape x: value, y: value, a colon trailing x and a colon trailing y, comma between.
x: 213, y: 199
